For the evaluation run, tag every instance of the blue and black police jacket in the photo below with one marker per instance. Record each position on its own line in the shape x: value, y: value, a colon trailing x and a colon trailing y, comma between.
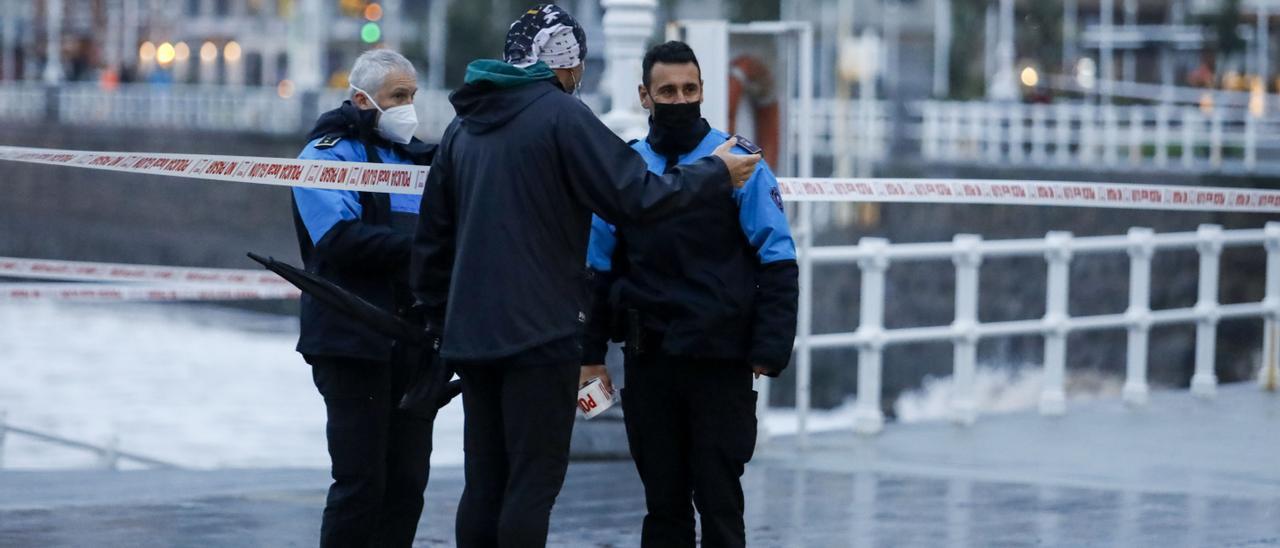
x: 717, y: 280
x: 358, y: 240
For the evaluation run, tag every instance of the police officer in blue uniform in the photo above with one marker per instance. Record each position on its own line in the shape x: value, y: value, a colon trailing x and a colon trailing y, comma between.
x: 703, y: 300
x: 361, y: 241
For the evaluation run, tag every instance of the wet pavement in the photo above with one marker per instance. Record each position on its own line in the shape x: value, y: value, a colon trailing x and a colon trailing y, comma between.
x: 1181, y: 472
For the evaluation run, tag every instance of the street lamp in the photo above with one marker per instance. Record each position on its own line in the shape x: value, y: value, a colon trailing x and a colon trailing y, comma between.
x: 231, y: 51
x: 147, y: 52
x: 208, y: 52
x: 1029, y: 76
x: 165, y: 54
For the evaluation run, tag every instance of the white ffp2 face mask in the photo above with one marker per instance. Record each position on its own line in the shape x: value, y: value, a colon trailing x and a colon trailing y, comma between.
x: 396, y: 124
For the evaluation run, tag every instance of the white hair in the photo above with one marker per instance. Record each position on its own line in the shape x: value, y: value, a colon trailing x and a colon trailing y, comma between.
x: 372, y: 67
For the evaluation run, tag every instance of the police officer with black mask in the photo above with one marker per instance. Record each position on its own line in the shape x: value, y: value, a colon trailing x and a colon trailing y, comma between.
x: 703, y: 300
x: 361, y: 241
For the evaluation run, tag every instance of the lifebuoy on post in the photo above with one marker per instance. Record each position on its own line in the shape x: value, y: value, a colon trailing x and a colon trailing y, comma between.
x: 751, y: 80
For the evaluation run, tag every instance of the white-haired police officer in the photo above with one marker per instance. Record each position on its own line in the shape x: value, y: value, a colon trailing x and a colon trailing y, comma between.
x: 361, y: 241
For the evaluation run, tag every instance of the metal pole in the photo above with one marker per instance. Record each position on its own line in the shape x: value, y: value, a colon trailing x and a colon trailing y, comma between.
x: 1270, y: 375
x: 1107, y: 72
x: 967, y: 259
x: 1069, y: 17
x: 866, y: 102
x: 129, y: 35
x: 1130, y: 21
x: 1264, y: 45
x: 437, y: 34
x: 805, y: 313
x: 1006, y: 83
x: 942, y: 49
x: 1053, y: 400
x: 840, y: 130
x: 804, y: 325
x: 391, y: 24
x: 1205, y: 382
x: 867, y: 416
x: 989, y: 37
x: 1138, y: 314
x: 53, y: 73
x: 892, y: 34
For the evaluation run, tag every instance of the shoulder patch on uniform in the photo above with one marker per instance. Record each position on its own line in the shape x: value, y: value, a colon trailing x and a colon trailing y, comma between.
x: 328, y: 141
x: 777, y: 198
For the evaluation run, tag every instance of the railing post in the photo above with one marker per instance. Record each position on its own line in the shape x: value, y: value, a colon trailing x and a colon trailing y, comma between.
x: 1138, y: 315
x: 1038, y: 134
x: 804, y: 325
x: 1111, y: 135
x: 1062, y: 148
x: 1017, y: 133
x: 867, y: 416
x: 954, y: 115
x: 1137, y: 126
x: 1188, y: 140
x: 977, y: 130
x: 1053, y: 399
x: 1270, y: 375
x: 109, y: 457
x: 1088, y: 121
x: 994, y: 130
x: 1205, y: 382
x: 967, y: 259
x: 930, y: 128
x: 1215, y: 139
x: 1162, y: 135
x: 1250, y: 142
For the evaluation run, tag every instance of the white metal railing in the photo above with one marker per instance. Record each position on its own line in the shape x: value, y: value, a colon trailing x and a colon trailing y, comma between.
x: 874, y: 256
x: 109, y: 454
x: 202, y: 107
x: 23, y: 101
x: 1081, y: 135
x: 218, y: 108
x: 865, y: 133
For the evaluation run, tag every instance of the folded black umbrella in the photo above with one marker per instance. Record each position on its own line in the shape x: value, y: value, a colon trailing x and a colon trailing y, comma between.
x: 346, y: 302
x: 429, y: 386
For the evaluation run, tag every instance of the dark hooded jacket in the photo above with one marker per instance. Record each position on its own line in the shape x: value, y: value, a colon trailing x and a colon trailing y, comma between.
x: 358, y: 240
x: 500, y: 252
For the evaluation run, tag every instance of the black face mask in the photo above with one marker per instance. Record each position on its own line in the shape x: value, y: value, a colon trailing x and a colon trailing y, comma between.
x: 676, y: 128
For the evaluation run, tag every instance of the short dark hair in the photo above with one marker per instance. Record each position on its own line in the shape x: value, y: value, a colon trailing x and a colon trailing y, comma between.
x: 670, y: 53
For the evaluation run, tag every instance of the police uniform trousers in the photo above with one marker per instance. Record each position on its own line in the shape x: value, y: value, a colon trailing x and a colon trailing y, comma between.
x: 691, y: 425
x: 381, y: 455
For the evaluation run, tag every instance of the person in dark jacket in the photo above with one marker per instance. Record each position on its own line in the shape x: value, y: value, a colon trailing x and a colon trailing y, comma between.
x: 702, y: 300
x: 361, y: 241
x: 499, y: 261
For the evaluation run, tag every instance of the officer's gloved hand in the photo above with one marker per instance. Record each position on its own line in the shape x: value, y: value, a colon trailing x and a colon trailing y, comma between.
x: 450, y: 391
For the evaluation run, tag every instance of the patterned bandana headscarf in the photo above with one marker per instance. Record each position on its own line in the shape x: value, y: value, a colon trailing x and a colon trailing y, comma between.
x: 546, y: 33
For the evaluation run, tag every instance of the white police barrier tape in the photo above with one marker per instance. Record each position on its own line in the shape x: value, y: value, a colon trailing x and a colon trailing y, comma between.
x: 401, y: 179
x: 99, y: 292
x: 391, y: 178
x: 1035, y: 193
x: 45, y: 269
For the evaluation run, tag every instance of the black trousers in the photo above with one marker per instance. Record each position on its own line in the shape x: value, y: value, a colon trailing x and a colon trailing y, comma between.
x: 691, y: 425
x: 519, y: 419
x: 381, y: 456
